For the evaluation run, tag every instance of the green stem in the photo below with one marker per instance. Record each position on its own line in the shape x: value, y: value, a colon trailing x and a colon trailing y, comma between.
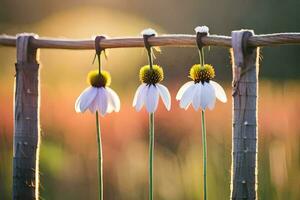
x: 150, y: 59
x: 151, y: 149
x: 201, y: 56
x: 204, y: 155
x: 100, y: 161
x: 99, y: 63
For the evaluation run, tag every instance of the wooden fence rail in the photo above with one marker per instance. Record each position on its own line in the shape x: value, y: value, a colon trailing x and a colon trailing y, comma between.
x: 245, y: 66
x: 165, y: 40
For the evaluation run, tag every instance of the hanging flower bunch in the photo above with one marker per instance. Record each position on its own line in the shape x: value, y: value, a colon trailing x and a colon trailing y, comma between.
x: 201, y: 92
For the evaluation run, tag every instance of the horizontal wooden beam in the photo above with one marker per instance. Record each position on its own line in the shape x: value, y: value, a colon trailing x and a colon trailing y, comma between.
x: 175, y: 40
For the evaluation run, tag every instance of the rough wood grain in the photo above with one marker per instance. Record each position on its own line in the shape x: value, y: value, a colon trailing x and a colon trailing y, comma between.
x: 244, y: 139
x: 174, y: 40
x: 26, y: 122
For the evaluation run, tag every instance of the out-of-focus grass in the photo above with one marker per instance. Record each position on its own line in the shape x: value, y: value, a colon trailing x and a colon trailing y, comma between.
x: 68, y: 151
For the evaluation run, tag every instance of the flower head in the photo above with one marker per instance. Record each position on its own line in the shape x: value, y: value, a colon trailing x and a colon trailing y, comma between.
x: 99, y: 80
x: 151, y: 76
x: 98, y: 97
x: 149, y: 91
x: 202, y: 73
x: 202, y: 91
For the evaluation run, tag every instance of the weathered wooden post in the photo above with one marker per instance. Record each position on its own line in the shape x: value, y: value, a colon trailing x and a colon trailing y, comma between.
x: 245, y: 65
x: 26, y: 121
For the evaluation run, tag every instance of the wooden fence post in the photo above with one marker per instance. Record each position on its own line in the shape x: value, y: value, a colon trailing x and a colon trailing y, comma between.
x: 26, y: 121
x: 245, y: 65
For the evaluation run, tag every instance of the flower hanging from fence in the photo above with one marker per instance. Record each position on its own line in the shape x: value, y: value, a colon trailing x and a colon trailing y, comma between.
x: 148, y: 94
x: 201, y: 93
x: 98, y: 98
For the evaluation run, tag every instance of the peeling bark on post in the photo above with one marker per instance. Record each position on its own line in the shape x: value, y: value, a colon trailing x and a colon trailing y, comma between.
x: 245, y: 65
x: 26, y: 121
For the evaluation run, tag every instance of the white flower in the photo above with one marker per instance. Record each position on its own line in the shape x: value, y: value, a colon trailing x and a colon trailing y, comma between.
x: 149, y: 91
x: 148, y: 95
x: 98, y: 97
x: 202, y: 29
x: 202, y: 91
x: 102, y: 99
x: 148, y: 31
x: 200, y: 95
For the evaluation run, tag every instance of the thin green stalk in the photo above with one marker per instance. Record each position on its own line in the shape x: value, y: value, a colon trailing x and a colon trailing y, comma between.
x: 201, y: 56
x: 99, y: 63
x: 204, y: 155
x: 100, y: 161
x: 151, y: 149
x: 150, y: 59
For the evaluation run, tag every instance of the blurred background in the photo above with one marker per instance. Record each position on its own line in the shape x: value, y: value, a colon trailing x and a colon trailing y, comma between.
x: 68, y: 158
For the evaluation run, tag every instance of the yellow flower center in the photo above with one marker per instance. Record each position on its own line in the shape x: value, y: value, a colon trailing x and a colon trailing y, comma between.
x: 151, y: 76
x: 99, y: 80
x: 201, y: 73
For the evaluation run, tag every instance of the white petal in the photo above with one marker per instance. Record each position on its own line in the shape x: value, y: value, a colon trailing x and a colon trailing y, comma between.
x: 197, y: 96
x: 102, y: 100
x: 113, y: 100
x: 165, y: 95
x: 141, y: 96
x: 187, y: 97
x: 85, y: 99
x: 137, y: 93
x: 183, y: 89
x: 94, y: 105
x: 208, y: 96
x: 152, y: 98
x: 110, y: 107
x: 211, y: 105
x: 220, y: 93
